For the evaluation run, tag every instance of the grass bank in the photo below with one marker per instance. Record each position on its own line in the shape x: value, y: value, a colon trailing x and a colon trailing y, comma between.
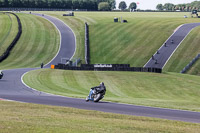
x: 9, y: 29
x: 131, y: 43
x: 168, y: 90
x: 23, y: 117
x: 38, y: 43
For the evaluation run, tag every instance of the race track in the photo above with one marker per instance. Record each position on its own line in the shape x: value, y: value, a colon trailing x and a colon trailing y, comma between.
x: 161, y: 57
x: 12, y: 88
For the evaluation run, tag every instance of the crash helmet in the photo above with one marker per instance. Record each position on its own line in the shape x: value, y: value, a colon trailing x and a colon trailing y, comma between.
x: 102, y: 83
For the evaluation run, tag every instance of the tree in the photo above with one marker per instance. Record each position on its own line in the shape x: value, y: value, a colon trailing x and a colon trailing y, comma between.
x: 104, y: 6
x: 112, y: 4
x: 159, y: 7
x: 122, y: 5
x: 133, y: 6
x: 168, y: 6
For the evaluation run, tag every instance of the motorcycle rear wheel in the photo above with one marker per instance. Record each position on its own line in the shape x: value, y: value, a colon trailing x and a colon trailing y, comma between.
x: 97, y: 97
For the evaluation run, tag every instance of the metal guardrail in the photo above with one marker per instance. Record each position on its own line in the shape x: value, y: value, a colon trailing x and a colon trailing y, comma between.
x: 190, y: 64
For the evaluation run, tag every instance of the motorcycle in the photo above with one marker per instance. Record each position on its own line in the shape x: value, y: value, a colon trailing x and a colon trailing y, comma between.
x: 1, y: 74
x: 96, y: 95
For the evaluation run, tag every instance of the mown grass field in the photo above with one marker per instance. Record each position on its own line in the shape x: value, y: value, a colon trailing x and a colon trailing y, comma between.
x: 169, y: 90
x: 23, y: 117
x: 132, y: 43
x: 39, y: 43
x: 9, y: 29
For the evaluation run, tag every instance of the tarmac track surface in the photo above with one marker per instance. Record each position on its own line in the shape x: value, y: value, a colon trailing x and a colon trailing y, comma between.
x: 11, y: 88
x: 166, y: 51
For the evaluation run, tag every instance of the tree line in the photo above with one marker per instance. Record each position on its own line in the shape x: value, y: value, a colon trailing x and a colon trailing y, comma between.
x: 181, y: 7
x: 123, y: 6
x: 64, y: 4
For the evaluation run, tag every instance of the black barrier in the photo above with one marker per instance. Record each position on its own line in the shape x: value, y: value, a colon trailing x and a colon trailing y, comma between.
x: 10, y: 47
x: 108, y: 67
x: 87, y: 47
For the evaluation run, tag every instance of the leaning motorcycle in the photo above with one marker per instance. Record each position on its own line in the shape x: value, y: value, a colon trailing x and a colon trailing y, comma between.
x: 1, y: 74
x: 97, y: 95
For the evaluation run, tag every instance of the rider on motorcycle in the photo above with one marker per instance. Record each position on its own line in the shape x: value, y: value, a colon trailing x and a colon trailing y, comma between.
x: 1, y: 74
x: 93, y: 90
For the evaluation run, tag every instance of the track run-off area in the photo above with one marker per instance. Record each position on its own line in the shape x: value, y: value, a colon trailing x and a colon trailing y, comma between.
x: 13, y: 88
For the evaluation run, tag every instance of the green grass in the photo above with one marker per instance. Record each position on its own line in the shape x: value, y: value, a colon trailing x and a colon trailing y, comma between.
x: 132, y: 43
x: 185, y: 53
x: 23, y: 117
x: 169, y: 90
x: 9, y: 29
x: 194, y: 70
x: 38, y: 43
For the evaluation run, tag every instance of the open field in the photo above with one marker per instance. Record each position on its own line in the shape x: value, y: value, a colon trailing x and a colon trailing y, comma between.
x: 9, y: 29
x: 23, y: 117
x: 169, y: 90
x: 39, y: 43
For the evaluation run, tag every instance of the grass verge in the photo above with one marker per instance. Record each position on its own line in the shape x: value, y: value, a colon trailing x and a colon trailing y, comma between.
x: 168, y: 90
x: 23, y: 117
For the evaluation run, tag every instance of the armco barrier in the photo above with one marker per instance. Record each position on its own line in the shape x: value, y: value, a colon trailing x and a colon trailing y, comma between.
x: 190, y: 64
x: 108, y: 67
x: 10, y: 47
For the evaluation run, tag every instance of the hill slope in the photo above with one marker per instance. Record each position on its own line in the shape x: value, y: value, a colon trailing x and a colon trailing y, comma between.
x: 9, y: 29
x: 39, y: 43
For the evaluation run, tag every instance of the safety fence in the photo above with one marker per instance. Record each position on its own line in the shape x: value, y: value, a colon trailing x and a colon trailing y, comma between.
x: 108, y: 67
x: 13, y: 43
x: 87, y: 47
x: 190, y: 64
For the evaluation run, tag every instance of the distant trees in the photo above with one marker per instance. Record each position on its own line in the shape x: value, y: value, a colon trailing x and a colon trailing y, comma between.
x: 122, y: 5
x: 132, y: 6
x: 168, y: 6
x: 182, y: 7
x: 66, y: 4
x: 104, y: 6
x: 159, y: 7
